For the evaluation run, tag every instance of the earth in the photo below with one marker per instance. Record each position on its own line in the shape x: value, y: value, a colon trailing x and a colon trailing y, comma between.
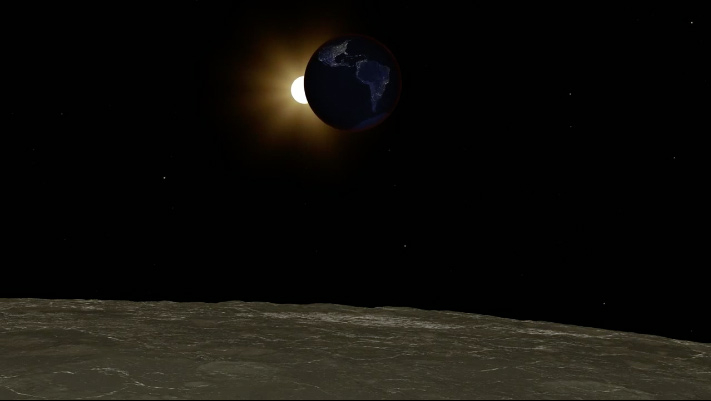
x: 352, y: 82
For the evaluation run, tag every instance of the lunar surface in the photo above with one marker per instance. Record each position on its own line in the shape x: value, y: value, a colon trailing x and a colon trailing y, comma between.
x: 88, y: 349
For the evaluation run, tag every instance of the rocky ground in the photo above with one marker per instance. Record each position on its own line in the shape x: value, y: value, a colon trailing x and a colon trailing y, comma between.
x: 84, y: 349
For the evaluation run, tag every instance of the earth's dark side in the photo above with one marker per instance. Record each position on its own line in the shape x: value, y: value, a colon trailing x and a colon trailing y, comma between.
x: 352, y: 82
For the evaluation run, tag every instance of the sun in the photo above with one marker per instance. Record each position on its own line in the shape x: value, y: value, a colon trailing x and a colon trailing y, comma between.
x: 297, y: 90
x: 267, y: 92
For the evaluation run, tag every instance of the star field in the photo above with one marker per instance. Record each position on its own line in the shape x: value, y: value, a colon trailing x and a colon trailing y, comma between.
x: 556, y: 175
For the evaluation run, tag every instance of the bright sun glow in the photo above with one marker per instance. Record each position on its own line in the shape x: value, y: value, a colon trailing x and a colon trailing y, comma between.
x: 297, y: 90
x: 262, y: 101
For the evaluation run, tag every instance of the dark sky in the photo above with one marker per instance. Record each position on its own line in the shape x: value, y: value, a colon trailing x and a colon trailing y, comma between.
x: 541, y: 163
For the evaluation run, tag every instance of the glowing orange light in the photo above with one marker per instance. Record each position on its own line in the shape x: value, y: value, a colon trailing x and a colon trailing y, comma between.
x: 261, y: 90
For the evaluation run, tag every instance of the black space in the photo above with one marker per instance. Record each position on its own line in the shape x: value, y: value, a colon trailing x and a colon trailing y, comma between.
x: 542, y: 164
